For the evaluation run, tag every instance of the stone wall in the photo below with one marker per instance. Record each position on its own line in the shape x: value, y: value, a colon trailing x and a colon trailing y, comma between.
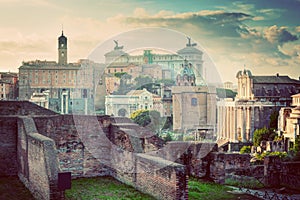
x: 223, y: 164
x: 277, y: 173
x: 158, y: 177
x: 22, y: 108
x: 81, y: 141
x: 38, y: 144
x: 8, y: 146
x: 195, y: 156
x: 290, y: 175
x: 100, y: 145
x: 37, y: 160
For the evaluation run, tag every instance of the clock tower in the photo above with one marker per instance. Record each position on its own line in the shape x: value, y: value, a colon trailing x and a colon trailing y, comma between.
x: 62, y: 50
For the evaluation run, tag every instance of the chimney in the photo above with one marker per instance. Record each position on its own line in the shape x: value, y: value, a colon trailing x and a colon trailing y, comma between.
x: 277, y: 74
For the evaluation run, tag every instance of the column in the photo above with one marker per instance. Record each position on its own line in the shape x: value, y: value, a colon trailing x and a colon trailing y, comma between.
x: 218, y: 122
x: 247, y: 123
x: 232, y: 121
x: 227, y: 122
x: 243, y: 119
x: 224, y: 123
x: 235, y: 125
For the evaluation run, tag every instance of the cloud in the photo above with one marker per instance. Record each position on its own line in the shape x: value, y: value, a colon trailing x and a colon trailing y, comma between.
x: 290, y: 49
x: 279, y: 35
x: 208, y: 22
x: 269, y: 14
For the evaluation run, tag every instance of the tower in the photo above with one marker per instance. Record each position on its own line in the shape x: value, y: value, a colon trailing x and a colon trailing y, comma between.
x: 186, y: 77
x: 62, y: 50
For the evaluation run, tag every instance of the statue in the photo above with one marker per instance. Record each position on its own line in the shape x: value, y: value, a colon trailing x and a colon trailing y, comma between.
x: 189, y: 44
x: 117, y: 45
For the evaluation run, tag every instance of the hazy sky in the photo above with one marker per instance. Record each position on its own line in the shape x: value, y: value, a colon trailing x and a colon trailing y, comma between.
x: 263, y: 35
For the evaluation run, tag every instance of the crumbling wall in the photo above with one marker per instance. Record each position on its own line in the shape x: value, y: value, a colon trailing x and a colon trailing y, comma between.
x: 278, y: 173
x: 223, y: 164
x: 38, y: 164
x: 81, y: 141
x: 158, y: 177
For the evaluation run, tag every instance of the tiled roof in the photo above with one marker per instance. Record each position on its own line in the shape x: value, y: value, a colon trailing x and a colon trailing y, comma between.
x: 274, y: 79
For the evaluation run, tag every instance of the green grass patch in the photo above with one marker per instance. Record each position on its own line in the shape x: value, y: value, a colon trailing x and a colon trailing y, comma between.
x: 207, y: 190
x: 13, y: 189
x: 249, y: 183
x: 103, y: 188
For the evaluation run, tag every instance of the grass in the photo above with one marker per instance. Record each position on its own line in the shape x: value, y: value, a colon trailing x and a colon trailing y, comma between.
x: 110, y: 189
x: 13, y: 189
x: 249, y: 183
x: 199, y: 189
x: 207, y: 190
x: 103, y: 188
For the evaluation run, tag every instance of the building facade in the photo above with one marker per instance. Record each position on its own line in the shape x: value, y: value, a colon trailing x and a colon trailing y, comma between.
x: 194, y: 107
x: 117, y: 60
x: 69, y: 87
x: 125, y: 105
x: 8, y: 86
x: 289, y: 119
x: 257, y: 98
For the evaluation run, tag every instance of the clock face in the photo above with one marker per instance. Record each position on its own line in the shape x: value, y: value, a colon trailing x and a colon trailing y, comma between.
x: 62, y: 44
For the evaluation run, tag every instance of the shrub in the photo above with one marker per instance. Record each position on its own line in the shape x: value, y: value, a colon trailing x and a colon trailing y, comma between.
x: 245, y: 149
x: 276, y: 153
x: 260, y: 135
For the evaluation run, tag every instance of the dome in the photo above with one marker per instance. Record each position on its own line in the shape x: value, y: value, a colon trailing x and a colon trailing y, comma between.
x: 187, y: 69
x: 62, y: 37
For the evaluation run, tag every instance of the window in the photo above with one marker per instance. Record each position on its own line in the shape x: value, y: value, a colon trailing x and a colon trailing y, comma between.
x: 194, y: 101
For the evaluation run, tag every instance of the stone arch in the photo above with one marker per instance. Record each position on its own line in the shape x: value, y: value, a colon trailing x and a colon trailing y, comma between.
x: 122, y: 112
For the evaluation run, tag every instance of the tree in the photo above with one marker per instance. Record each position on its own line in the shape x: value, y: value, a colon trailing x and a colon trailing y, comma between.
x: 166, y: 82
x: 168, y: 137
x: 245, y: 149
x: 124, y: 86
x: 146, y: 118
x: 260, y: 135
x: 142, y: 80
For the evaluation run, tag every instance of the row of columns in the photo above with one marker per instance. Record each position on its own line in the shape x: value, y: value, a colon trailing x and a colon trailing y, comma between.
x: 235, y: 123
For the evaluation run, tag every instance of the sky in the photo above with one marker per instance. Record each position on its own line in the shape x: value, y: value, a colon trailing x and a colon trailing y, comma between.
x: 260, y: 35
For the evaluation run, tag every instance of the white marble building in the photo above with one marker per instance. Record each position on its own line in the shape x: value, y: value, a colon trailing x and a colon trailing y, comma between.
x: 257, y: 97
x: 124, y: 105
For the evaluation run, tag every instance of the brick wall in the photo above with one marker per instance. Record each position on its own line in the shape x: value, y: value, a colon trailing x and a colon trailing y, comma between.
x: 97, y: 146
x: 41, y: 143
x: 38, y: 165
x: 81, y: 141
x: 153, y: 175
x: 8, y: 146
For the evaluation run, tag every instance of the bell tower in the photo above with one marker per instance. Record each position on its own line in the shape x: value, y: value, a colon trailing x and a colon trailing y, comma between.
x: 62, y: 50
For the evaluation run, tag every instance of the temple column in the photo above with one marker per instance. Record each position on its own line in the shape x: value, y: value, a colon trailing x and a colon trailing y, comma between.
x: 243, y: 127
x: 235, y: 125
